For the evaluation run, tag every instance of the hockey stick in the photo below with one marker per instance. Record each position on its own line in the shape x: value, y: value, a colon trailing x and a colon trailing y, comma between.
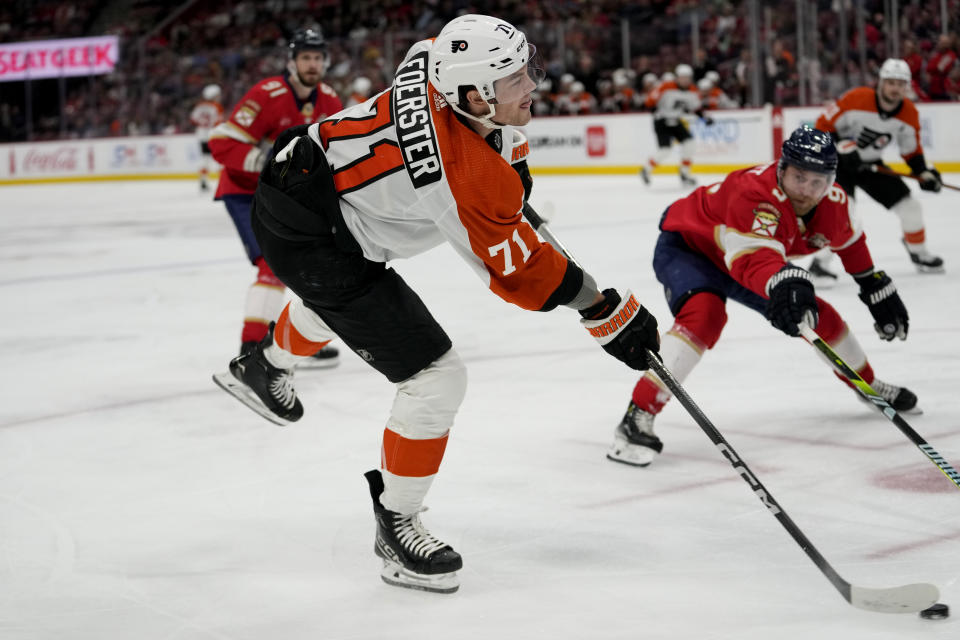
x: 881, y: 404
x: 903, y: 599
x: 887, y: 171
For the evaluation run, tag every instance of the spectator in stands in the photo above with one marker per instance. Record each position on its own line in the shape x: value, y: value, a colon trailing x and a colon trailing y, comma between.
x: 939, y: 67
x: 912, y: 57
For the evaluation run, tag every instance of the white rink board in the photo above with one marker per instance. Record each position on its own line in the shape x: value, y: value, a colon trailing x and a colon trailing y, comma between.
x: 575, y: 144
x: 741, y: 137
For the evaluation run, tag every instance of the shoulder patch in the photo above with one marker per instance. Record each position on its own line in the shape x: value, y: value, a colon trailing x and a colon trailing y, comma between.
x: 766, y: 220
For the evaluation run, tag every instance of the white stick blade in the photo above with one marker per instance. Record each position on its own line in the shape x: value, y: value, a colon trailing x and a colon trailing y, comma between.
x: 909, y: 598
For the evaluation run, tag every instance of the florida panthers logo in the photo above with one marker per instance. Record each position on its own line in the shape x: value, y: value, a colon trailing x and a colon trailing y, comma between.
x: 766, y: 219
x: 458, y: 45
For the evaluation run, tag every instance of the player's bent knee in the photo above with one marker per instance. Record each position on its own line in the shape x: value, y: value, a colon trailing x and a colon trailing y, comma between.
x: 704, y: 315
x: 427, y: 402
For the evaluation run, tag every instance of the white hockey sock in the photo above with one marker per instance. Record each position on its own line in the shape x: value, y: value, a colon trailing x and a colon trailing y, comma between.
x: 416, y: 433
x: 658, y: 156
x: 848, y: 348
x: 263, y: 302
x: 681, y: 351
x: 686, y: 155
x: 911, y: 221
x: 298, y: 334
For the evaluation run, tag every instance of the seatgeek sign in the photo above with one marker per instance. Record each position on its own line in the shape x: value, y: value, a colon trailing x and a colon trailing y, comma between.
x: 57, y: 58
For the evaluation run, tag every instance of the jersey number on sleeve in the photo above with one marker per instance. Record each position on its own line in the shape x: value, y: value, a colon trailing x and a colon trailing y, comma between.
x: 504, y: 246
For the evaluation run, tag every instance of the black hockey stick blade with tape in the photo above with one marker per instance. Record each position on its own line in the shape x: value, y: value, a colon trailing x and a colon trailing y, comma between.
x: 881, y: 404
x: 908, y: 598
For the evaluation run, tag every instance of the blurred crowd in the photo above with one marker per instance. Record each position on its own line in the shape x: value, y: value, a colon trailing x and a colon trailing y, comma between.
x: 600, y: 56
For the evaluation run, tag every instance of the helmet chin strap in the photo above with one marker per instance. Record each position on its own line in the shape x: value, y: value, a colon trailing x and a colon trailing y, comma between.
x: 486, y: 120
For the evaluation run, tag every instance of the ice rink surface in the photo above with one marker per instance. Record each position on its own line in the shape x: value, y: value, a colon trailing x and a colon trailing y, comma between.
x: 138, y: 501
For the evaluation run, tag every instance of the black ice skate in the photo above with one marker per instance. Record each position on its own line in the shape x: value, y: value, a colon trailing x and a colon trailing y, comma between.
x: 326, y: 358
x: 900, y: 398
x: 412, y: 558
x: 634, y: 442
x: 923, y: 260
x: 261, y: 386
x: 687, y: 180
x: 817, y: 270
x: 645, y: 175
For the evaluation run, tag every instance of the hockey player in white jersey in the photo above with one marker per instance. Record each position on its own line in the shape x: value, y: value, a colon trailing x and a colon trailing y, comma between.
x: 672, y: 101
x: 435, y: 158
x: 863, y: 121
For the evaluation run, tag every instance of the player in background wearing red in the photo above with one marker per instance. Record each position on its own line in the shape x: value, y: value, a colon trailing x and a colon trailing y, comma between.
x: 862, y: 123
x: 435, y: 158
x: 671, y: 102
x: 240, y: 144
x: 734, y: 239
x: 206, y: 115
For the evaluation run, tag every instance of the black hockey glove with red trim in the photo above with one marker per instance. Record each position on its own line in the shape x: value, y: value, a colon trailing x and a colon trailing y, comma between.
x: 623, y: 327
x: 792, y: 300
x: 878, y: 292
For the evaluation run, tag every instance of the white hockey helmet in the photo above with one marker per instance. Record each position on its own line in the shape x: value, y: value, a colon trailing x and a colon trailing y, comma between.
x: 211, y: 92
x: 895, y: 69
x: 684, y: 71
x: 620, y: 77
x: 362, y: 85
x: 474, y: 51
x: 712, y: 76
x: 704, y: 84
x: 668, y: 76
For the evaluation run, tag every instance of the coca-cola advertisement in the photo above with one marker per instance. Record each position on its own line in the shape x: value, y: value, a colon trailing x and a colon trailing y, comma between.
x: 51, y: 160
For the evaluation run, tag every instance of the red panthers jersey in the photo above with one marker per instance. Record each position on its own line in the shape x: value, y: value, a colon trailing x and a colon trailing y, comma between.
x: 747, y: 227
x: 262, y: 114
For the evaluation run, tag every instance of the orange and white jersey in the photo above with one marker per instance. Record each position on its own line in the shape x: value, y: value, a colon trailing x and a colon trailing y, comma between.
x: 715, y: 98
x: 205, y: 116
x: 671, y: 103
x: 855, y: 116
x: 411, y: 175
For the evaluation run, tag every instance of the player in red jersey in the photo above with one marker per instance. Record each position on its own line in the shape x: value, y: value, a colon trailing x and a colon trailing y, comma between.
x: 734, y: 239
x: 862, y: 123
x: 207, y: 114
x: 436, y: 158
x: 275, y: 104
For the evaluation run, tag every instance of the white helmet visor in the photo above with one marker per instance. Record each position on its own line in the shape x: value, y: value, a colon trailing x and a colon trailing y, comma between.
x: 520, y: 83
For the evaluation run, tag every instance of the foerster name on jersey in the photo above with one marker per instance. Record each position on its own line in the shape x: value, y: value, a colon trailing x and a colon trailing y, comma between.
x: 415, y: 133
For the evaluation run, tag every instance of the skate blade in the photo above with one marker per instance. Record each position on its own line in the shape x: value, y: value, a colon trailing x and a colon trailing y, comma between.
x: 394, y: 574
x: 925, y: 269
x: 241, y: 392
x: 632, y: 454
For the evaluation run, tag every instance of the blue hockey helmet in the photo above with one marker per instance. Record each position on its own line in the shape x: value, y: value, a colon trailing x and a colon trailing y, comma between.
x: 809, y: 149
x: 307, y: 40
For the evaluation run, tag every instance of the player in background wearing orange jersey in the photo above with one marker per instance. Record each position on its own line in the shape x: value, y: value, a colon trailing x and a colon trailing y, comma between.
x: 435, y: 158
x: 206, y: 115
x: 275, y: 104
x: 764, y: 215
x: 863, y: 121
